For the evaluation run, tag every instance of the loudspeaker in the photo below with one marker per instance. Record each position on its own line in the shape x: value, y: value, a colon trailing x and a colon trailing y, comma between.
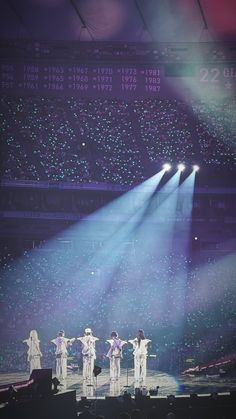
x: 42, y: 381
x: 97, y: 370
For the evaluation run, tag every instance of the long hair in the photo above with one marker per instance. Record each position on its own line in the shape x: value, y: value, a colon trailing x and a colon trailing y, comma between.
x: 140, y: 336
x: 34, y: 335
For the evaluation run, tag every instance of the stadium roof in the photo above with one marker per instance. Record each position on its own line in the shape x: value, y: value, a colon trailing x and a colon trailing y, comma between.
x: 119, y: 20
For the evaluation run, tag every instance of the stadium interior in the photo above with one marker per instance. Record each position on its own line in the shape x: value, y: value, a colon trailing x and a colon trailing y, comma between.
x: 118, y: 203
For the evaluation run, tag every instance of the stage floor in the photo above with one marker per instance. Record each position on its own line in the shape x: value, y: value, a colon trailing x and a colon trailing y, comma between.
x: 168, y: 384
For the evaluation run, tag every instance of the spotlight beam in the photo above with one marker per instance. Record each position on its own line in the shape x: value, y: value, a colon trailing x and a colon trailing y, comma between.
x: 202, y: 15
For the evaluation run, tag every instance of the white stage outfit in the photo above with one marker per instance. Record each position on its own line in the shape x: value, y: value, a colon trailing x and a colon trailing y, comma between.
x: 115, y: 355
x: 89, y: 353
x: 62, y: 344
x: 140, y: 347
x: 34, y: 353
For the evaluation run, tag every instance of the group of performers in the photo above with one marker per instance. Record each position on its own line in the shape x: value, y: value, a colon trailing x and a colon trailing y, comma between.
x: 139, y: 343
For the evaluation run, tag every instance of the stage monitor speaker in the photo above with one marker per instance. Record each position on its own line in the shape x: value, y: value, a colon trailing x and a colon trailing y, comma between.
x: 42, y: 381
x: 97, y: 370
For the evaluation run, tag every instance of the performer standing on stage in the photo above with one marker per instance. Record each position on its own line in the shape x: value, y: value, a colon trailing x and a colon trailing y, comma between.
x: 89, y: 353
x: 34, y: 353
x: 115, y: 354
x: 62, y: 344
x: 140, y: 345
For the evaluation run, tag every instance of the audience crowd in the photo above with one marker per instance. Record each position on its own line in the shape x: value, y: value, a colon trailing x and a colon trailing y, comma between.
x: 109, y: 140
x: 184, y: 307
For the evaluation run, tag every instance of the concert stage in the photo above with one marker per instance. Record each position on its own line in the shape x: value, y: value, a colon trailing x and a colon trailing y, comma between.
x: 167, y: 384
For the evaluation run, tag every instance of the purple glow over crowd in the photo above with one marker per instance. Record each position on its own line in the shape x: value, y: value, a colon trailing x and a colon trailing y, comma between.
x: 130, y: 260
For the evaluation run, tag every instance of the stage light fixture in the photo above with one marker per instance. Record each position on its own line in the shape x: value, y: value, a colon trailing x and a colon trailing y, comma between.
x: 166, y: 167
x: 11, y: 394
x: 193, y: 399
x: 181, y: 167
x: 55, y: 383
x: 97, y: 370
x: 171, y: 399
x: 196, y: 168
x: 214, y: 395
